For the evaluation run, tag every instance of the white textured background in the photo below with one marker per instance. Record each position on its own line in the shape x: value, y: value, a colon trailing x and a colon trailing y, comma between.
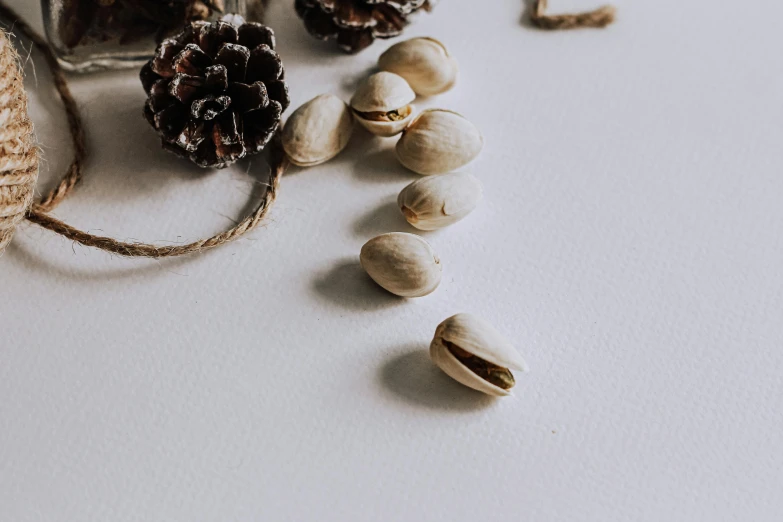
x: 629, y: 243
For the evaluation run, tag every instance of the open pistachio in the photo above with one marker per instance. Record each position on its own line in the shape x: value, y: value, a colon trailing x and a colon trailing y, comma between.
x: 317, y: 131
x: 404, y: 264
x: 472, y: 352
x: 382, y: 104
x: 438, y: 141
x: 424, y: 63
x: 438, y: 201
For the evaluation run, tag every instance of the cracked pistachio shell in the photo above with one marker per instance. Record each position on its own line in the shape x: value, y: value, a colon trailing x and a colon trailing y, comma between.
x: 382, y: 104
x: 477, y: 337
x: 404, y: 264
x: 317, y: 131
x: 425, y: 63
x: 438, y: 141
x: 438, y: 201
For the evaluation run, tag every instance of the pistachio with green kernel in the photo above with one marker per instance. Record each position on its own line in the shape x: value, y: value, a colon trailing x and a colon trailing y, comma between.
x: 473, y: 353
x: 382, y: 104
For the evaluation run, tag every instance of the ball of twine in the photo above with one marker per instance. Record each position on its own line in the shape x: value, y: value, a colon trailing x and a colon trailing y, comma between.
x: 18, y: 153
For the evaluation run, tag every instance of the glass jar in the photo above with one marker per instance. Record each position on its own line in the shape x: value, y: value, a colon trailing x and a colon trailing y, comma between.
x: 89, y: 35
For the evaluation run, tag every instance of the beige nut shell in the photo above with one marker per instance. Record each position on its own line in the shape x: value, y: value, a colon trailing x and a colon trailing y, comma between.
x: 438, y: 141
x: 435, y: 202
x: 424, y: 62
x: 382, y: 92
x: 402, y: 263
x: 317, y: 131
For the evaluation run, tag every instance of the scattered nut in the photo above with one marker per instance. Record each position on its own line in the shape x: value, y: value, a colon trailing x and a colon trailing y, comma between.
x: 473, y: 353
x: 382, y: 104
x: 438, y: 141
x: 438, y: 201
x: 404, y: 264
x: 317, y: 131
x: 424, y: 63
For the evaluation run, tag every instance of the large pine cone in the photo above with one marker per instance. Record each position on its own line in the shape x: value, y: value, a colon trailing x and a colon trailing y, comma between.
x: 355, y: 24
x: 216, y: 91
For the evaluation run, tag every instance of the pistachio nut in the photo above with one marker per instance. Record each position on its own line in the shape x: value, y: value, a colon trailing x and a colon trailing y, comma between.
x: 438, y: 141
x: 438, y: 201
x: 425, y: 63
x: 317, y: 131
x: 473, y: 353
x: 382, y: 104
x: 404, y: 264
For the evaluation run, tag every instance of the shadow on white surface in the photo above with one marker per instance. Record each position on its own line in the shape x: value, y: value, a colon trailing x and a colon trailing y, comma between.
x: 129, y: 162
x: 351, y: 81
x: 524, y: 18
x: 413, y: 378
x: 348, y: 285
x: 382, y: 219
x: 380, y: 165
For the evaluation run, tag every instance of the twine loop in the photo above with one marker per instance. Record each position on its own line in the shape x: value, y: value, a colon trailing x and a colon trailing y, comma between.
x: 19, y: 162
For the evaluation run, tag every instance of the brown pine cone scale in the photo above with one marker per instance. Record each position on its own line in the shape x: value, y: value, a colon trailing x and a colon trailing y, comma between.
x: 355, y: 24
x: 216, y: 92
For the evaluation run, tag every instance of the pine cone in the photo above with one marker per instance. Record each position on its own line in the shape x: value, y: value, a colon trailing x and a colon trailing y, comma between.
x: 216, y: 91
x: 356, y: 23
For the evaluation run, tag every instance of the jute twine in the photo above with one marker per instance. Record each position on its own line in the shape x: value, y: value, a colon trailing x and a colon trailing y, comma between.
x: 598, y: 18
x: 19, y: 162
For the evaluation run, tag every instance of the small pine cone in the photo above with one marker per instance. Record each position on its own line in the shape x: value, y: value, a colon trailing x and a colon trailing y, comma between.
x: 355, y: 24
x: 216, y: 91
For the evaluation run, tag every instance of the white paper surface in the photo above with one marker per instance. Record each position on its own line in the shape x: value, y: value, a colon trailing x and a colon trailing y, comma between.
x: 629, y: 243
